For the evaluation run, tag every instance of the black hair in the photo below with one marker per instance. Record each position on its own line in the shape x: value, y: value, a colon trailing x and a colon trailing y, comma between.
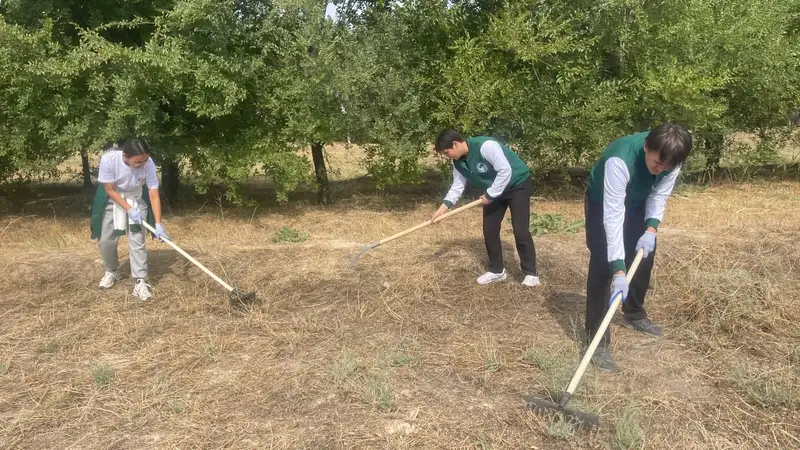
x: 446, y: 138
x: 672, y: 142
x: 135, y: 147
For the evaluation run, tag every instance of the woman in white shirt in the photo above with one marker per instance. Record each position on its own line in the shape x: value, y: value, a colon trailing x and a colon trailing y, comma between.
x: 123, y: 175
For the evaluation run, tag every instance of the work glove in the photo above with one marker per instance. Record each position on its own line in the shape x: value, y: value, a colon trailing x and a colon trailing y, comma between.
x: 647, y: 242
x: 619, y: 284
x: 160, y: 233
x: 135, y: 216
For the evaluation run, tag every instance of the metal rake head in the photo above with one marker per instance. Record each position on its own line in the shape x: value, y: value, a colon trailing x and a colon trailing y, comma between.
x: 239, y: 299
x: 366, y: 248
x: 539, y: 405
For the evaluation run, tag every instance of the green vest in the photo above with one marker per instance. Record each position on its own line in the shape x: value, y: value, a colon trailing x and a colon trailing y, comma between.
x: 630, y: 149
x: 480, y: 173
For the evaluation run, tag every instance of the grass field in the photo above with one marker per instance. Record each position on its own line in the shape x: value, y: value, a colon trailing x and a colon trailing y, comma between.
x: 405, y: 350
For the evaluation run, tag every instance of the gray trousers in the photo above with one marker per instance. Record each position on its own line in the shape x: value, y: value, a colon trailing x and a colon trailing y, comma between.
x: 108, y: 244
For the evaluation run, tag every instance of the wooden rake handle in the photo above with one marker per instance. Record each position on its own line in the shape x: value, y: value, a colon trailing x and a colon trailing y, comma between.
x: 429, y: 222
x: 598, y: 336
x: 194, y: 261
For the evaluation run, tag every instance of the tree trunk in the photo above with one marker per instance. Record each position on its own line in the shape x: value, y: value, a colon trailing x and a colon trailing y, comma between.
x: 170, y: 181
x: 713, y: 144
x: 794, y: 117
x: 323, y: 185
x: 87, y: 174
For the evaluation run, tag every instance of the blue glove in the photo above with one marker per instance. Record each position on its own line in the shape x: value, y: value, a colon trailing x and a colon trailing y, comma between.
x: 647, y: 242
x: 134, y: 215
x: 160, y: 233
x: 619, y: 284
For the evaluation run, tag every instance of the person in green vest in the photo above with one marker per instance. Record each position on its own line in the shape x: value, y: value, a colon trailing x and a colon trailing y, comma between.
x: 127, y: 195
x: 624, y: 204
x: 506, y: 183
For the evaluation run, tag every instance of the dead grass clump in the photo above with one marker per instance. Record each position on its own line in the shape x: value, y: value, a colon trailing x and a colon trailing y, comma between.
x: 561, y: 427
x: 744, y: 294
x: 557, y: 367
x: 213, y: 348
x: 402, y: 359
x: 51, y: 347
x: 492, y: 359
x: 628, y: 431
x: 345, y: 367
x: 404, y: 354
x: 370, y: 386
x: 377, y: 392
x: 777, y: 388
x: 102, y: 374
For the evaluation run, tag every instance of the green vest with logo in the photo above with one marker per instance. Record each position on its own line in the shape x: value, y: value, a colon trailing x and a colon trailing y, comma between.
x: 480, y: 173
x: 630, y: 149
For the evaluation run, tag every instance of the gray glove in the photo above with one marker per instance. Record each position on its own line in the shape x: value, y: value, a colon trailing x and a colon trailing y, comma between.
x: 134, y: 215
x: 160, y: 233
x: 619, y: 284
x: 647, y: 242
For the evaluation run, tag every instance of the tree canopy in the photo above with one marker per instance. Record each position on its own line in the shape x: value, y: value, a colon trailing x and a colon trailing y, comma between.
x: 227, y: 88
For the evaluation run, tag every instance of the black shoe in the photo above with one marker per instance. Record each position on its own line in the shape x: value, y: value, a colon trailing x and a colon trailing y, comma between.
x: 603, y: 361
x: 642, y: 325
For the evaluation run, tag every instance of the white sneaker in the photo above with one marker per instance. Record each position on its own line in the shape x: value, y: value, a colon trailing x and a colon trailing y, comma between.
x: 108, y: 280
x: 531, y: 281
x: 491, y: 277
x: 142, y: 290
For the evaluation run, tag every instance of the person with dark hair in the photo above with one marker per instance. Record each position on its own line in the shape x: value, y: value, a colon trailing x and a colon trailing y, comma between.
x: 127, y: 195
x: 624, y: 204
x: 506, y: 182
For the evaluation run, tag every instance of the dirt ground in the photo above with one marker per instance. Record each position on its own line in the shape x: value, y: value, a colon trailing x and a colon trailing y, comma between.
x: 405, y: 350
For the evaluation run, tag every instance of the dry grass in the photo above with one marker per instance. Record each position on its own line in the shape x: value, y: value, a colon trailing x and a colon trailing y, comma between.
x: 405, y: 350
x: 628, y: 432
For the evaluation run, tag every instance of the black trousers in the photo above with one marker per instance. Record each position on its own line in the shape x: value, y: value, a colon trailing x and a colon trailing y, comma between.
x: 599, y: 280
x: 518, y: 199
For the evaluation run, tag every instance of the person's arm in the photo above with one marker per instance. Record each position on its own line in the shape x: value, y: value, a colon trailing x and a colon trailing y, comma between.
x: 615, y: 183
x: 657, y: 200
x: 155, y: 202
x: 453, y: 195
x: 456, y: 189
x: 492, y: 152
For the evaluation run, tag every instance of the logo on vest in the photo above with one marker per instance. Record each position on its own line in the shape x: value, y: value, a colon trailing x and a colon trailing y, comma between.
x: 481, y: 167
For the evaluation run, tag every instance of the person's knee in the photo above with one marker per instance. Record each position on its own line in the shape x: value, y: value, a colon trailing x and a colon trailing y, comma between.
x: 491, y: 230
x: 524, y: 240
x: 106, y: 243
x: 136, y: 241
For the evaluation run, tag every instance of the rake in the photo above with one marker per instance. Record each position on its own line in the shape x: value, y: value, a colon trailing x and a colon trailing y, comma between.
x: 369, y: 247
x: 585, y: 418
x: 236, y: 297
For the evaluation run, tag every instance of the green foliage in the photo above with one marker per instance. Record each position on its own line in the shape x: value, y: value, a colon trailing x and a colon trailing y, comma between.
x: 561, y: 427
x: 402, y: 359
x: 553, y: 223
x: 628, y: 431
x: 290, y: 235
x: 379, y: 394
x: 102, y: 374
x: 232, y: 89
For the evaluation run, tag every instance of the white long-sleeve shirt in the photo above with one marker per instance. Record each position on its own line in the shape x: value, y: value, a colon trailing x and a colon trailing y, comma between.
x: 615, y: 183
